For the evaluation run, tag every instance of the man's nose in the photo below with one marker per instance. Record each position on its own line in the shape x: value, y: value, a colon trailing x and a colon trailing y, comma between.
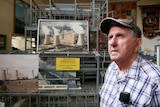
x: 113, y: 41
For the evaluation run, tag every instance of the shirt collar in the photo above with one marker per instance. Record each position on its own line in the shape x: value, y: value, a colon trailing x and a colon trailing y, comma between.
x: 134, y: 69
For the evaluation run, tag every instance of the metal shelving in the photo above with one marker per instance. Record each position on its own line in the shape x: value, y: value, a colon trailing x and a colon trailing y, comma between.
x: 92, y: 12
x: 87, y: 96
x: 92, y: 64
x: 55, y: 99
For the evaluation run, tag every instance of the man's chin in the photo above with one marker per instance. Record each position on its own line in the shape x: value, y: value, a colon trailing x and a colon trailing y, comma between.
x: 113, y: 58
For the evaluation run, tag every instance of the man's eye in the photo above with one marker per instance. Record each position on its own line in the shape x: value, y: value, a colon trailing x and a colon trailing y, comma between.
x: 110, y: 37
x: 120, y: 35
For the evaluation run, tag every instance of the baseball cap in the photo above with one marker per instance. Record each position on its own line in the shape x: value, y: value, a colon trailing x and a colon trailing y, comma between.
x: 108, y: 22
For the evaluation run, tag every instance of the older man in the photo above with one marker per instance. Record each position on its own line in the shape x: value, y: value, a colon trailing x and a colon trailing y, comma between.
x: 130, y: 80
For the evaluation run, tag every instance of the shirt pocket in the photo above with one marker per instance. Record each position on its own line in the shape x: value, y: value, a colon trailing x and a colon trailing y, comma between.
x: 142, y: 92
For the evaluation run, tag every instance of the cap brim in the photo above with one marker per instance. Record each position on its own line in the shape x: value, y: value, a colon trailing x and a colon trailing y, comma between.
x: 108, y: 22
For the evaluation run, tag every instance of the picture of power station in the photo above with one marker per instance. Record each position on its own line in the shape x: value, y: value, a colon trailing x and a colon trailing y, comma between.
x: 62, y: 36
x: 19, y: 73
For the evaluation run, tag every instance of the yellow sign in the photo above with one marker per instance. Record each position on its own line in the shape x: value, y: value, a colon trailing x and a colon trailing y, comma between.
x: 68, y: 64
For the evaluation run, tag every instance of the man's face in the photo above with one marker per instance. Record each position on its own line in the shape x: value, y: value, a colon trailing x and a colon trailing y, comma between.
x: 122, y: 46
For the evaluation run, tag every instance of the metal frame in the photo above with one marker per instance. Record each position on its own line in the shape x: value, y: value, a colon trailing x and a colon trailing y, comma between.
x: 89, y: 94
x: 73, y: 11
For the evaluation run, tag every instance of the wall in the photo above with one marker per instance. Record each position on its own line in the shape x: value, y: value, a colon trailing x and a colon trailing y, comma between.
x: 7, y: 19
x: 147, y: 44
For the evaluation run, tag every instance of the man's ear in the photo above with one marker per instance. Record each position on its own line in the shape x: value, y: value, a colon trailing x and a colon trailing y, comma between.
x: 138, y: 44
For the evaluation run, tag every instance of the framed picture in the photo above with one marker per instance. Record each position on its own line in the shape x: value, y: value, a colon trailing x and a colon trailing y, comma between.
x: 3, y: 42
x: 22, y: 16
x: 63, y: 36
x: 19, y: 73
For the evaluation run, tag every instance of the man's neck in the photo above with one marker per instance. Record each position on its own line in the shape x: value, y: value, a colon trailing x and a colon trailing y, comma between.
x: 124, y: 65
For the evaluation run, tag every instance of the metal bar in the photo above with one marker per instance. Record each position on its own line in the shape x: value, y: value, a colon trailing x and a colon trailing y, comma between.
x: 97, y: 81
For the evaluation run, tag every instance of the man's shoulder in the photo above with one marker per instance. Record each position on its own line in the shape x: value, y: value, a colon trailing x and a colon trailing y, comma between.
x: 150, y: 69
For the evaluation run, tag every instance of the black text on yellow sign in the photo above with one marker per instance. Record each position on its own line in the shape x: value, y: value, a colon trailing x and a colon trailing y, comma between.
x: 65, y: 64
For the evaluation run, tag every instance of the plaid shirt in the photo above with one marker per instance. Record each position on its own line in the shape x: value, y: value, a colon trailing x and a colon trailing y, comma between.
x: 141, y: 80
